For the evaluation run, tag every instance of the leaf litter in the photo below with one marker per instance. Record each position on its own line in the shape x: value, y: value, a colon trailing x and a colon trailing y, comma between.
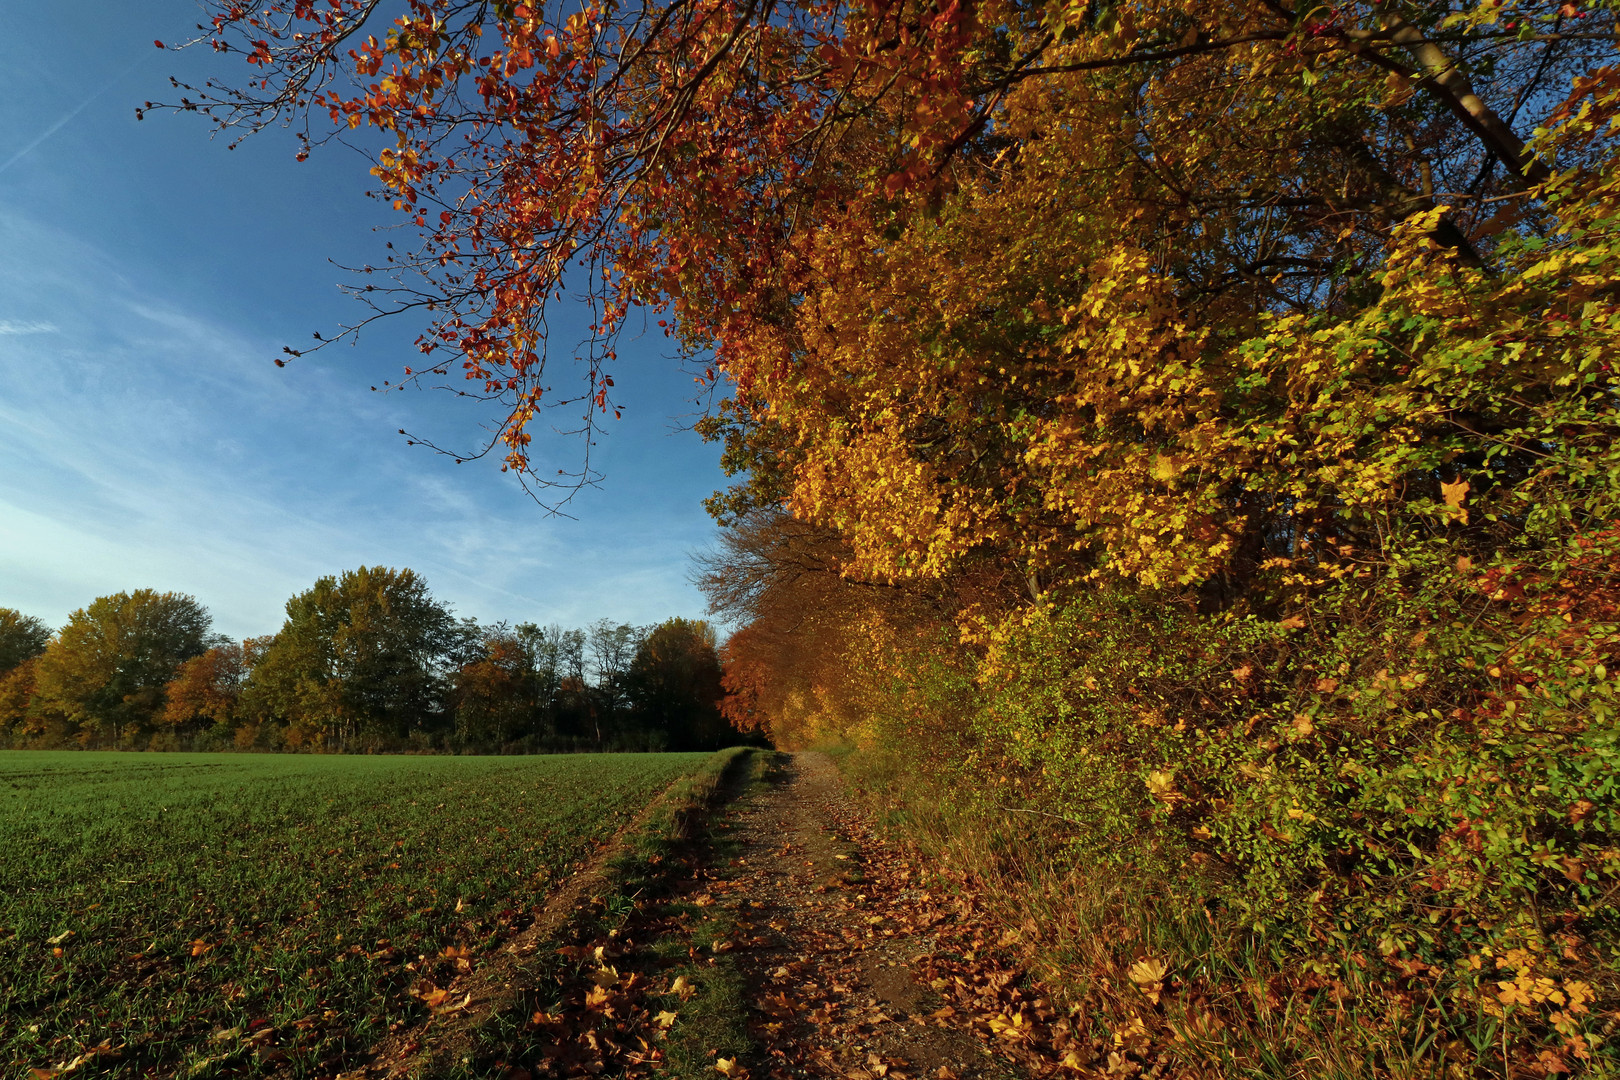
x: 860, y: 963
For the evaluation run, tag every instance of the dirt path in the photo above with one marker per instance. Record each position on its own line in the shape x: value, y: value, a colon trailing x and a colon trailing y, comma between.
x: 848, y: 958
x: 839, y: 940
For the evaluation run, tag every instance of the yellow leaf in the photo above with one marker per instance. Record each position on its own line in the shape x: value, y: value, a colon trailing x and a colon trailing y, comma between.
x: 1454, y: 494
x: 1161, y: 784
x: 1147, y: 971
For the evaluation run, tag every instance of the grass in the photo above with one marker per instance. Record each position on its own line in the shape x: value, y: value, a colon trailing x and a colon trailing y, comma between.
x: 203, y: 915
x: 714, y: 1015
x: 651, y: 937
x: 1235, y: 1002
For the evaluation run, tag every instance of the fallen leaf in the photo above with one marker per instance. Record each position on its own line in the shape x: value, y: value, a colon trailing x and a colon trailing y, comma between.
x: 1147, y: 972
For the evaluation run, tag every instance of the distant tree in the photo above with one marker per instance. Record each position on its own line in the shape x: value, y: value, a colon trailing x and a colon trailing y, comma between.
x: 576, y: 711
x: 22, y: 637
x: 468, y: 641
x: 16, y: 695
x: 105, y: 673
x: 558, y: 656
x: 789, y: 667
x: 536, y: 642
x: 613, y: 648
x: 359, y: 654
x: 570, y: 652
x: 206, y: 688
x: 675, y: 685
x: 496, y: 691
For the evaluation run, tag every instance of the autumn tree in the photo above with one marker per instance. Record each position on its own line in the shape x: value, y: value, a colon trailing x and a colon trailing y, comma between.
x: 16, y: 695
x: 22, y: 639
x: 104, y: 674
x: 205, y: 689
x: 499, y: 694
x: 711, y: 158
x: 675, y: 685
x: 359, y: 655
x: 818, y: 650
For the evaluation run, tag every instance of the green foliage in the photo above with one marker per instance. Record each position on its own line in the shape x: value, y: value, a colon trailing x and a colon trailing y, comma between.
x: 102, y: 677
x: 358, y: 655
x: 158, y: 901
x: 22, y: 637
x: 1419, y: 767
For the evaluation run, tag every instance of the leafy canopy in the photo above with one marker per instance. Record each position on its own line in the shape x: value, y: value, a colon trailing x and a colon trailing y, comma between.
x: 107, y: 668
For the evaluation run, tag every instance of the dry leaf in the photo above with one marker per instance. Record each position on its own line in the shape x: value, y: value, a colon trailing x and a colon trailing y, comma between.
x: 1147, y: 971
x: 1161, y: 784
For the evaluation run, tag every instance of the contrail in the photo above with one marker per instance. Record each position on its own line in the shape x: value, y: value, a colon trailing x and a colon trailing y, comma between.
x: 60, y: 124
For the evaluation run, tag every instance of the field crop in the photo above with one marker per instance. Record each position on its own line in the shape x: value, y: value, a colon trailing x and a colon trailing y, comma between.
x: 233, y: 915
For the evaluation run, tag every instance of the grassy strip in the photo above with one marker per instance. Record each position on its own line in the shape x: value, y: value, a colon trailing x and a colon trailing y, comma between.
x: 1162, y: 987
x: 713, y: 1013
x: 588, y: 1001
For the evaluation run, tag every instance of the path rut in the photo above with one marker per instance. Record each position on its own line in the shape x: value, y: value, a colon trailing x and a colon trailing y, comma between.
x: 834, y: 952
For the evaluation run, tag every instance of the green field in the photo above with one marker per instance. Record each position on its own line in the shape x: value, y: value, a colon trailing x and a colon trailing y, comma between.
x: 230, y: 915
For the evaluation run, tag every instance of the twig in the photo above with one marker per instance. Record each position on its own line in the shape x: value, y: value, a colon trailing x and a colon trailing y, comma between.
x: 1042, y: 813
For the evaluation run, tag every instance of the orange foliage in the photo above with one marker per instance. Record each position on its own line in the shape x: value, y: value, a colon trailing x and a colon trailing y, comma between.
x: 206, y: 687
x: 16, y: 692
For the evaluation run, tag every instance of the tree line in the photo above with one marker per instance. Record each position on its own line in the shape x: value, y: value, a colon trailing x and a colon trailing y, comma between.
x: 1186, y: 435
x: 367, y: 660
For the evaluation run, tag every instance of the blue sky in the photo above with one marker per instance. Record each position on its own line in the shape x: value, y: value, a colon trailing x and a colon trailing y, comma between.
x: 148, y: 276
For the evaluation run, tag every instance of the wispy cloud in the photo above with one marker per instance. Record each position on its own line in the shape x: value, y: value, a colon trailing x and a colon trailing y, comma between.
x: 144, y: 443
x: 13, y: 328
